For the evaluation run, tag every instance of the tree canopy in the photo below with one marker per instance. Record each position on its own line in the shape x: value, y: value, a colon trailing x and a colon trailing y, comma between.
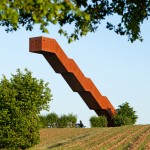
x: 52, y: 120
x: 125, y: 115
x: 21, y: 100
x: 84, y: 15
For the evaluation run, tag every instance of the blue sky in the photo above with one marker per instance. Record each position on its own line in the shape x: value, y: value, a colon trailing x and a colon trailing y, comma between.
x: 119, y: 69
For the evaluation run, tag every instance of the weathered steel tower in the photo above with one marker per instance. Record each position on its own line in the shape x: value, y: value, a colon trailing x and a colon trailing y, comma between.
x: 56, y: 57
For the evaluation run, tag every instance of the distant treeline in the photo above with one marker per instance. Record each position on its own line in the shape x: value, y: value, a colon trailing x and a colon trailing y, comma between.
x: 52, y: 120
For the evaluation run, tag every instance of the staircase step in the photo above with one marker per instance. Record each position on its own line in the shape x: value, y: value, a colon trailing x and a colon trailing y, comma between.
x: 73, y: 75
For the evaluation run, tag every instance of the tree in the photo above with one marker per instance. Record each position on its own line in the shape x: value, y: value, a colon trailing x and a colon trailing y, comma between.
x: 100, y: 121
x: 72, y: 119
x: 21, y: 100
x: 66, y: 121
x: 83, y: 14
x: 125, y: 115
x: 52, y: 120
x: 43, y: 121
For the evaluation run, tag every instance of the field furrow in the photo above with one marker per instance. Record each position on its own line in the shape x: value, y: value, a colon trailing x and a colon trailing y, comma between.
x: 89, y: 142
x: 82, y: 142
x: 140, y: 140
x: 118, y: 138
x: 55, y: 137
x: 146, y: 144
x: 126, y: 142
x: 99, y: 138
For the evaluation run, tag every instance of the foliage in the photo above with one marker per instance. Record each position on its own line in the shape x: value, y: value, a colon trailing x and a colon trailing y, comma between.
x: 67, y: 121
x: 125, y: 115
x: 122, y: 120
x: 84, y: 15
x: 52, y: 120
x: 21, y: 100
x: 72, y: 119
x: 100, y: 121
x: 63, y: 121
x: 43, y: 121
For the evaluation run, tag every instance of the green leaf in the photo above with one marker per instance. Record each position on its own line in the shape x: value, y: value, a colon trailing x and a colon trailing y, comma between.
x: 21, y: 100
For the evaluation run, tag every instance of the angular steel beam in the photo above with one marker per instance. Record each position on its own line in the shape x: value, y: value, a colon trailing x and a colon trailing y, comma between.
x: 73, y: 76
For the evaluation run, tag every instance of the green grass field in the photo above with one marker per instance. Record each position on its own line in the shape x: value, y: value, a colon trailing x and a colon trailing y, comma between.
x: 135, y: 137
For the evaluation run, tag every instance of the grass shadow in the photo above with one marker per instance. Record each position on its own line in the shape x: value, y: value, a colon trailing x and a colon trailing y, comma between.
x: 67, y: 141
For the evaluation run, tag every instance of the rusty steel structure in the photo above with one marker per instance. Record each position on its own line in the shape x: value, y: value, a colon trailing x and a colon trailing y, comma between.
x: 72, y: 74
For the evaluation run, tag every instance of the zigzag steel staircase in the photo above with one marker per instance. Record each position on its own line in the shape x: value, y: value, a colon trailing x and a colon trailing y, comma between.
x: 73, y: 76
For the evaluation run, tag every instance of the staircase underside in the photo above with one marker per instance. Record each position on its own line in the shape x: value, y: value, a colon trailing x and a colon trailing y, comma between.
x: 72, y: 74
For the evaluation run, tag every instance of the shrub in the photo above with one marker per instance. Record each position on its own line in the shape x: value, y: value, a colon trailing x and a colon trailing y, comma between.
x: 21, y: 100
x: 43, y: 121
x: 125, y: 115
x: 121, y: 121
x: 52, y: 120
x: 63, y: 121
x: 72, y: 120
x: 100, y: 121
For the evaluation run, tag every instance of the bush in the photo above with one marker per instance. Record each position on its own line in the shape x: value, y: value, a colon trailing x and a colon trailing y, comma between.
x: 67, y: 121
x: 63, y: 121
x: 72, y: 120
x: 121, y: 121
x: 43, y: 121
x: 100, y: 121
x: 52, y: 120
x: 21, y: 100
x: 125, y: 115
